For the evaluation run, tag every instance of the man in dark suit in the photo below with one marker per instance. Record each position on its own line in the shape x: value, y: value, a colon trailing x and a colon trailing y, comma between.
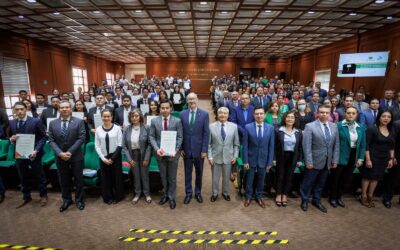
x: 168, y: 164
x: 100, y: 106
x: 52, y: 111
x: 388, y: 100
x: 243, y: 114
x: 145, y: 98
x: 28, y: 125
x: 258, y: 154
x: 348, y: 102
x: 118, y: 96
x: 41, y: 102
x: 260, y: 100
x: 121, y: 113
x: 295, y: 97
x: 224, y: 101
x: 66, y: 136
x: 110, y: 102
x: 314, y: 102
x: 322, y: 92
x: 368, y: 117
x: 196, y: 132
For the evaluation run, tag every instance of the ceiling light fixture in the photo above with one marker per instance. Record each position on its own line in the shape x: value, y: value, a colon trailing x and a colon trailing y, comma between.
x: 224, y: 12
x: 138, y: 11
x: 353, y: 14
x: 389, y: 17
x: 267, y: 11
x: 56, y: 13
x: 311, y: 12
x: 31, y: 1
x: 379, y: 1
x: 203, y: 3
x: 181, y: 12
x: 96, y: 12
x: 106, y: 34
x: 21, y: 17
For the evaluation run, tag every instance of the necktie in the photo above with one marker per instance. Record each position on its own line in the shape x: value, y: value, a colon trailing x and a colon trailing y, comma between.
x: 107, y: 144
x: 145, y: 101
x: 374, y: 115
x: 245, y: 115
x: 20, y: 124
x: 223, y: 135
x: 387, y: 104
x: 165, y: 124
x: 261, y: 101
x: 359, y: 107
x: 259, y: 134
x: 64, y: 129
x: 191, y: 123
x: 327, y: 134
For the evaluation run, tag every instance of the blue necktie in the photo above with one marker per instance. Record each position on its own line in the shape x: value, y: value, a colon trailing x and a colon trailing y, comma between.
x: 327, y: 135
x: 259, y: 135
x: 359, y: 107
x: 20, y: 123
x: 223, y: 135
x: 245, y: 115
x: 64, y: 129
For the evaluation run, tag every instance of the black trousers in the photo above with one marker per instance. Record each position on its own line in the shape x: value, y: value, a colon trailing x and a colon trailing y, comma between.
x: 66, y: 171
x: 389, y: 182
x: 23, y: 172
x: 284, y: 174
x: 198, y: 166
x: 112, y: 183
x: 342, y: 176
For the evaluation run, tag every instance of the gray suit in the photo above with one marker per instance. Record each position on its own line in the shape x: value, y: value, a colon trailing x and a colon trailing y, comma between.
x: 75, y: 137
x: 319, y: 154
x: 140, y: 173
x: 168, y: 165
x: 222, y: 152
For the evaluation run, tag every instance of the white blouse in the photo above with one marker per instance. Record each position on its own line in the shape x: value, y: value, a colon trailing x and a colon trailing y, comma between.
x: 135, y: 137
x: 115, y: 138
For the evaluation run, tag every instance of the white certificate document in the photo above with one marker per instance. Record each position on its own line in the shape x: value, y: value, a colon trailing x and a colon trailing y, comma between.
x: 24, y: 146
x: 40, y: 110
x: 168, y: 142
x: 79, y: 115
x: 48, y: 122
x: 177, y: 98
x: 97, y: 120
x: 168, y: 93
x: 129, y: 92
x: 88, y: 105
x: 49, y: 99
x: 149, y: 118
x: 145, y: 108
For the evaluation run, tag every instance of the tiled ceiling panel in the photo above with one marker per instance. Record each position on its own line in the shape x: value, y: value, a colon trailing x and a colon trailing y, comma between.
x: 131, y: 30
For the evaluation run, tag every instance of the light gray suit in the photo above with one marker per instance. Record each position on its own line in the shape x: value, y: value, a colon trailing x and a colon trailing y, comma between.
x: 221, y: 152
x: 168, y: 165
x: 319, y: 154
x: 140, y: 173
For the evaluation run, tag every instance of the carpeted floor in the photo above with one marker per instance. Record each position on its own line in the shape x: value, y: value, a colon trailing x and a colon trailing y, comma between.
x: 99, y: 226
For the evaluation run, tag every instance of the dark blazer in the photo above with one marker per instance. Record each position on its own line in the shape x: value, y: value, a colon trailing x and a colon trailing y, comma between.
x: 345, y: 148
x: 367, y: 118
x: 75, y: 138
x: 91, y: 113
x: 140, y: 101
x: 256, y: 102
x: 382, y: 104
x: 195, y: 141
x: 237, y: 117
x: 255, y: 153
x: 48, y: 113
x: 112, y: 104
x: 279, y: 148
x: 31, y: 126
x: 119, y: 115
x: 290, y: 104
x: 144, y: 142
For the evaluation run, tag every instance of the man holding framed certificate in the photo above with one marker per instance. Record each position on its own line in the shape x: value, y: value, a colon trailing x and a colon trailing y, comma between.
x: 166, y: 137
x: 29, y: 134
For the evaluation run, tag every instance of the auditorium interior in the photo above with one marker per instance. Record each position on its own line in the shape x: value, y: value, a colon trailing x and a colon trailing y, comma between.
x: 64, y: 45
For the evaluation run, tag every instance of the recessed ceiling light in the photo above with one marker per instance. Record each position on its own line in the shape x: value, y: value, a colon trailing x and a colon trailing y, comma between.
x: 353, y: 14
x: 224, y: 12
x: 267, y: 11
x: 311, y: 12
x: 96, y: 12
x: 379, y: 1
x: 203, y: 3
x: 20, y: 16
x: 138, y: 11
x: 389, y: 17
x: 56, y: 13
x: 181, y: 12
x: 106, y: 34
x: 31, y: 1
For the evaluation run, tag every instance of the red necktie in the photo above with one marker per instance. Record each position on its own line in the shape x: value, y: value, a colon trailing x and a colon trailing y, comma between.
x: 165, y: 124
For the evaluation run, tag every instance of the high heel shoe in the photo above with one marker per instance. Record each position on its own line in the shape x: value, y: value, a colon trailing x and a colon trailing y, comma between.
x: 364, y: 201
x: 370, y: 201
x: 278, y: 203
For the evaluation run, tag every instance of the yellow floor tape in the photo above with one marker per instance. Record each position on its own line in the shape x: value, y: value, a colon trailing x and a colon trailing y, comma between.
x: 26, y: 247
x: 154, y: 231
x: 204, y: 241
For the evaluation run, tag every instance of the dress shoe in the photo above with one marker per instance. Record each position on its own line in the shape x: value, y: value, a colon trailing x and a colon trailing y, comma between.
x: 213, y: 198
x: 198, y: 197
x: 226, y: 197
x: 65, y: 206
x: 320, y: 206
x: 80, y: 205
x: 304, y: 205
x: 2, y: 196
x: 187, y: 199
x: 333, y: 203
x: 340, y: 203
x: 387, y: 204
x: 43, y: 201
x: 261, y: 203
x: 247, y: 202
x: 163, y: 200
x: 26, y: 201
x: 172, y: 204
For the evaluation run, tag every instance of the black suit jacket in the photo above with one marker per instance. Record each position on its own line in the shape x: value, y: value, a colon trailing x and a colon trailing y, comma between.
x: 119, y: 115
x: 48, y: 113
x: 140, y: 101
x: 31, y: 126
x: 93, y: 111
x: 279, y: 148
x: 75, y: 138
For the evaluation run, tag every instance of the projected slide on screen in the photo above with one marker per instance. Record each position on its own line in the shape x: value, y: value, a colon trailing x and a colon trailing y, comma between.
x: 363, y: 64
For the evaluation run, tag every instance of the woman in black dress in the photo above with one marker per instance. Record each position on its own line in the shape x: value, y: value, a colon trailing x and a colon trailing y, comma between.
x: 378, y: 157
x: 303, y: 114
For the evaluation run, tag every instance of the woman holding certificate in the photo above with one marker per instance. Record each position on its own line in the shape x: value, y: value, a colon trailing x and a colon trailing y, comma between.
x: 177, y: 99
x: 108, y: 145
x: 138, y: 152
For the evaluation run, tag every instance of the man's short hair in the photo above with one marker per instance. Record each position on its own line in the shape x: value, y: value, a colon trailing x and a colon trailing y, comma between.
x: 223, y: 109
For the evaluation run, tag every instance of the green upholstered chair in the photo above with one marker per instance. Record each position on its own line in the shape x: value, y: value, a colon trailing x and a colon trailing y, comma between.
x: 10, y: 158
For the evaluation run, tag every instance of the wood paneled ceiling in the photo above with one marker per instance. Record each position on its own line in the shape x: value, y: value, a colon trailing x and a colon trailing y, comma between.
x: 131, y: 30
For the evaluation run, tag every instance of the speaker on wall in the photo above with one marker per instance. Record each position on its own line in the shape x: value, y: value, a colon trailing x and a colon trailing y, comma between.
x: 282, y: 75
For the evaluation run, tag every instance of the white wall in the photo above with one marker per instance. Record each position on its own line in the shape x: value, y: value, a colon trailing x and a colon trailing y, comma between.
x: 134, y: 69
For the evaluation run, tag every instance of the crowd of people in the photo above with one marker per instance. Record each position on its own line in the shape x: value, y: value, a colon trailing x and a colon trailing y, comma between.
x: 269, y: 124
